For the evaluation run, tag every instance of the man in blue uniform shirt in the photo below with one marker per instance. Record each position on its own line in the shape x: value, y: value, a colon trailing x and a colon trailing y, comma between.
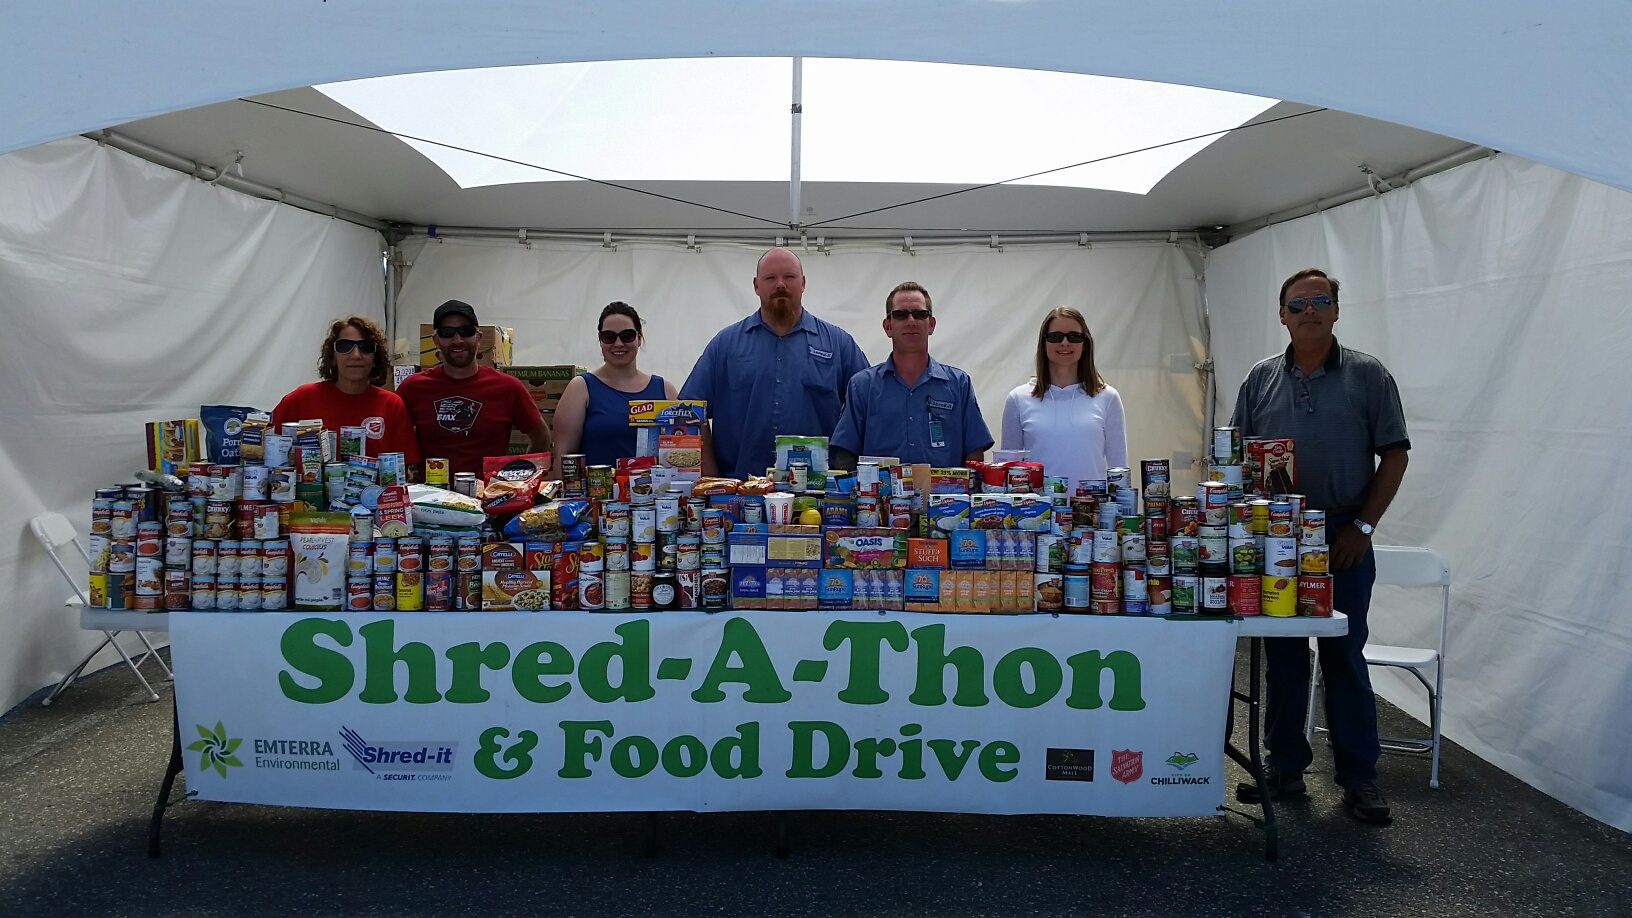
x: 911, y: 406
x: 779, y: 371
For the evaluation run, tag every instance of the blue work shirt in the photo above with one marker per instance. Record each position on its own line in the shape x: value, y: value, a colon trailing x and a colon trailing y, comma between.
x: 758, y: 385
x: 936, y: 421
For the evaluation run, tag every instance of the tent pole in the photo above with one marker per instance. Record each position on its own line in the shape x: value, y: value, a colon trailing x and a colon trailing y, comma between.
x: 391, y: 293
x: 793, y: 168
x: 1211, y: 410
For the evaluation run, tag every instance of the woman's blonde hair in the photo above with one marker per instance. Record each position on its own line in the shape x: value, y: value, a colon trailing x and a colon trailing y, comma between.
x: 1087, y: 373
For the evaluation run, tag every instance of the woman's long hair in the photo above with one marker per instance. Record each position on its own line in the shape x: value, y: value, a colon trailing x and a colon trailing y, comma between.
x: 1087, y: 373
x: 381, y: 373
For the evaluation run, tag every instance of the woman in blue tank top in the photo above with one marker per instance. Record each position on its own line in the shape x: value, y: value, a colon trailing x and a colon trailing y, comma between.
x: 593, y: 415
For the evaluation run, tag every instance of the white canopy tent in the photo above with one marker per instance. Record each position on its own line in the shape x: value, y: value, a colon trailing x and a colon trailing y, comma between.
x: 1491, y: 290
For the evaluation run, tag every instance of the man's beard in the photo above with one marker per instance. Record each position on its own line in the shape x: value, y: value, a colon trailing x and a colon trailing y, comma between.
x: 459, y: 362
x: 782, y: 309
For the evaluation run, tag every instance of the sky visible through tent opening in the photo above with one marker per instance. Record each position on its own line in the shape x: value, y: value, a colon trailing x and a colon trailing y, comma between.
x: 728, y: 119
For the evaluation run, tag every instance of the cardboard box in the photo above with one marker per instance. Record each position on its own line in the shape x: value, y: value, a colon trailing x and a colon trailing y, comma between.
x: 748, y: 587
x: 926, y: 553
x: 922, y: 589
x: 863, y: 548
x: 794, y: 550
x: 525, y: 591
x: 545, y: 384
x: 966, y: 549
x: 834, y: 589
x: 495, y: 350
x: 518, y: 440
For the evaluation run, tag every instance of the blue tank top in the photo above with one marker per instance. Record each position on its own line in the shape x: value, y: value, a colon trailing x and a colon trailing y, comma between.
x: 607, y: 434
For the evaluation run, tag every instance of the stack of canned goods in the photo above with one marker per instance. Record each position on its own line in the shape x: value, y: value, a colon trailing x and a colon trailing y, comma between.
x: 436, y: 573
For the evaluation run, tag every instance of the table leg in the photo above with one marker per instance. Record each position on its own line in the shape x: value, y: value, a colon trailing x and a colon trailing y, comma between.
x: 1252, y: 759
x: 649, y: 847
x: 168, y: 784
x: 781, y: 833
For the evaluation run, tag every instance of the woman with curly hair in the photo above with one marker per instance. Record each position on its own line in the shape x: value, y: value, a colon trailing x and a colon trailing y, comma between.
x: 354, y: 363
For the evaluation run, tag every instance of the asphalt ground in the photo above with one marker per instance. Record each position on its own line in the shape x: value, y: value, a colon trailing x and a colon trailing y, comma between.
x: 78, y: 781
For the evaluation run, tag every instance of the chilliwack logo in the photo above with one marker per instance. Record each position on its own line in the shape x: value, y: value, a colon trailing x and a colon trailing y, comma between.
x: 216, y: 749
x: 1182, y: 760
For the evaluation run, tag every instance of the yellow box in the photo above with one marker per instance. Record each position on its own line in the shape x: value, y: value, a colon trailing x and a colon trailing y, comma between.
x: 495, y: 350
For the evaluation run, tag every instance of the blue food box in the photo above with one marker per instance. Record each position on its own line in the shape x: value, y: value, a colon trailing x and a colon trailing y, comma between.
x: 746, y: 548
x: 747, y: 586
x: 966, y: 549
x: 922, y: 586
x: 834, y: 589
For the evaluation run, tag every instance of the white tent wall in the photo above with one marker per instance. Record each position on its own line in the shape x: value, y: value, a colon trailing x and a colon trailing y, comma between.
x: 134, y: 294
x: 1496, y: 295
x: 1141, y: 301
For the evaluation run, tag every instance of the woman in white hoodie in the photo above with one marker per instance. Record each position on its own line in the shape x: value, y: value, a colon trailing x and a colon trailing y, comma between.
x: 1066, y: 417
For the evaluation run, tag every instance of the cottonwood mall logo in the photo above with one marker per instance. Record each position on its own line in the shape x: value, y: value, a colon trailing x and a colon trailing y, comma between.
x: 215, y: 750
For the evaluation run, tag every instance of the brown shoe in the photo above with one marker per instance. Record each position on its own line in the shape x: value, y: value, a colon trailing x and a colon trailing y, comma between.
x: 1365, y: 802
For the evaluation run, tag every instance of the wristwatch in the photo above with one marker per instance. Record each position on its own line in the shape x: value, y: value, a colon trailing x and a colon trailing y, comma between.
x: 1366, y: 529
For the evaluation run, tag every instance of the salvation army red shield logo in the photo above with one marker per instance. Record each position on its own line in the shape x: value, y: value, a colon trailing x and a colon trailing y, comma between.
x: 1127, y: 765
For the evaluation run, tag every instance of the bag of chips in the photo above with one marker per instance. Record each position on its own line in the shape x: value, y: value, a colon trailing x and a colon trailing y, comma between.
x: 510, y: 484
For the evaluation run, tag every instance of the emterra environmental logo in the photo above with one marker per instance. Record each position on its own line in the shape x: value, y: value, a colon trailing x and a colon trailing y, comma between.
x: 216, y: 749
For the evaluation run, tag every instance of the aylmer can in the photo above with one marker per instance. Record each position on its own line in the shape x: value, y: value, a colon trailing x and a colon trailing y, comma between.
x: 1315, y: 595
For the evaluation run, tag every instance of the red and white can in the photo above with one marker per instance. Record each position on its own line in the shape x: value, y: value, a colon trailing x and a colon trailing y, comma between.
x: 1315, y: 595
x: 1245, y: 594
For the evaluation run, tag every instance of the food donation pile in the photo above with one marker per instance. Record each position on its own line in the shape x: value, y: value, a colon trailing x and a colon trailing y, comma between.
x: 301, y: 518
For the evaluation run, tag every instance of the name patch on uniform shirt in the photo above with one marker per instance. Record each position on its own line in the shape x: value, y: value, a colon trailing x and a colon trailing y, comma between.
x: 940, y: 406
x: 825, y: 355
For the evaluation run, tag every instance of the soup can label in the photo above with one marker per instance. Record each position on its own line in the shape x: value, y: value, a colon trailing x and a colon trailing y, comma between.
x: 410, y: 555
x: 1245, y: 591
x: 1107, y: 547
x: 1133, y: 547
x: 1048, y: 553
x: 1279, y: 595
x: 1280, y: 556
x: 385, y: 555
x: 358, y: 559
x: 467, y: 596
x: 1183, y: 516
x: 178, y: 552
x: 275, y: 557
x: 1280, y: 519
x: 204, y: 594
x: 226, y: 593
x: 1185, y: 552
x: 1104, y: 582
x: 360, y: 592
x: 1312, y: 530
x: 1315, y: 595
x: 250, y: 562
x: 714, y: 526
x: 274, y: 593
x: 900, y: 513
x: 1157, y: 559
x: 1213, y: 498
x: 617, y: 554
x: 204, y: 560
x: 250, y: 595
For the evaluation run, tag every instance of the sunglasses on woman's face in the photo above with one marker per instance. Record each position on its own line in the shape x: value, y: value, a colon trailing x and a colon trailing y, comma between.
x: 1057, y: 337
x: 627, y: 336
x: 345, y: 346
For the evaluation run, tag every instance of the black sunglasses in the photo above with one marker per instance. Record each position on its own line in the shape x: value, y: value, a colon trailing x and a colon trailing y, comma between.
x: 448, y: 331
x: 627, y: 336
x: 901, y: 315
x: 345, y: 346
x: 1298, y: 305
x: 1057, y: 337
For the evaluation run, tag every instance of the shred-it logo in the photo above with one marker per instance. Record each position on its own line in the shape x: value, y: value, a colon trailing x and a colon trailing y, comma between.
x: 1069, y: 765
x: 1127, y: 765
x: 457, y: 414
x: 411, y: 760
x: 1180, y: 761
x: 215, y: 750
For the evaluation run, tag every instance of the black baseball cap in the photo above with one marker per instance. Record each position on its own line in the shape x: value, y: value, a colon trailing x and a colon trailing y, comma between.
x: 454, y: 308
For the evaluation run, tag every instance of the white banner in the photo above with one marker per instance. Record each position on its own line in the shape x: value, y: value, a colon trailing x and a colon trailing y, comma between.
x: 575, y: 712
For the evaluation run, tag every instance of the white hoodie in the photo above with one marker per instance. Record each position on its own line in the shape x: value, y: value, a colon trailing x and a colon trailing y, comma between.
x: 1073, y: 434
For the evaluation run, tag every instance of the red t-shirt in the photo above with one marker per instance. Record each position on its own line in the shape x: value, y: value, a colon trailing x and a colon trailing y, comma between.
x: 464, y: 420
x: 377, y: 411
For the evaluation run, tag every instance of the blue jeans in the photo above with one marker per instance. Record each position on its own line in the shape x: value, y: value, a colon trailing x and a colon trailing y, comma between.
x: 1351, y: 708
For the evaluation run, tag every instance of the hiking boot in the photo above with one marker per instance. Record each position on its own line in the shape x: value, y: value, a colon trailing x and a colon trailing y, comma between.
x: 1365, y: 802
x: 1279, y: 785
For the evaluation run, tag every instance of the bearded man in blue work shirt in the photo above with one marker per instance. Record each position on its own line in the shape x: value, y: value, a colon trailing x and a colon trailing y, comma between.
x: 1342, y: 410
x: 911, y: 406
x: 779, y: 371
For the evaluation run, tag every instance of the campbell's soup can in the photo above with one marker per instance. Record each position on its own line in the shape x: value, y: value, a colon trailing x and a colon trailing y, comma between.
x: 274, y: 593
x: 1278, y: 595
x: 615, y: 520
x: 1315, y: 595
x: 122, y: 520
x: 385, y: 555
x: 1183, y: 515
x: 1313, y: 559
x: 688, y: 553
x: 438, y: 592
x: 713, y: 526
x: 1239, y: 520
x: 900, y: 512
x: 1312, y: 528
x: 250, y: 561
x: 250, y: 594
x: 178, y: 516
x: 275, y: 557
x: 227, y: 592
x: 1213, y: 497
x: 439, y: 555
x: 1281, y: 520
x: 1245, y: 591
x: 204, y: 557
x: 102, y: 516
x: 469, y: 553
x: 359, y: 592
x: 410, y: 555
x: 1184, y: 593
x: 204, y: 591
x: 358, y: 558
x: 1018, y: 478
x: 229, y: 556
x: 410, y: 592
x: 1213, y: 594
x: 1157, y: 558
x: 616, y: 554
x: 385, y: 593
x: 867, y: 511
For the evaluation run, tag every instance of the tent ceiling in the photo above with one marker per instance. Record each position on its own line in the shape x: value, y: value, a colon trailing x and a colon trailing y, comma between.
x: 1244, y: 175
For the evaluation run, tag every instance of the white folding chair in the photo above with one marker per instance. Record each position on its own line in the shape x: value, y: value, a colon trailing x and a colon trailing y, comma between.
x: 55, y: 532
x: 1407, y: 567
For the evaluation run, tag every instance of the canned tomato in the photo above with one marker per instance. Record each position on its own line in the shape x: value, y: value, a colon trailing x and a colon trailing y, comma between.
x: 1312, y: 528
x: 1184, y: 594
x: 1212, y: 547
x: 385, y: 592
x: 1315, y: 595
x: 1278, y: 595
x: 1077, y: 587
x: 438, y: 592
x: 642, y: 556
x: 1105, y: 582
x: 590, y: 552
x: 1244, y: 594
x: 691, y: 516
x: 1214, y: 594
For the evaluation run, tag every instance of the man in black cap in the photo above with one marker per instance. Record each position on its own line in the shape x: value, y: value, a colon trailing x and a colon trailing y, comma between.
x: 463, y: 411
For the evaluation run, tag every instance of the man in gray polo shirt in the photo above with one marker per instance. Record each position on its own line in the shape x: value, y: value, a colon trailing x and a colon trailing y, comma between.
x: 1342, y: 409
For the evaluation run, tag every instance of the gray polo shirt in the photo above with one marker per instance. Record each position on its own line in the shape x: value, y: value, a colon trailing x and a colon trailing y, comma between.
x: 1341, y: 417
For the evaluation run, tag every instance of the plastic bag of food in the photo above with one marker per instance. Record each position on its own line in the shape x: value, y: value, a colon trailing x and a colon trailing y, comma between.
x: 318, y: 543
x: 441, y: 507
x: 556, y: 521
x: 756, y: 484
x: 223, y: 426
x: 511, y: 483
x: 708, y: 487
